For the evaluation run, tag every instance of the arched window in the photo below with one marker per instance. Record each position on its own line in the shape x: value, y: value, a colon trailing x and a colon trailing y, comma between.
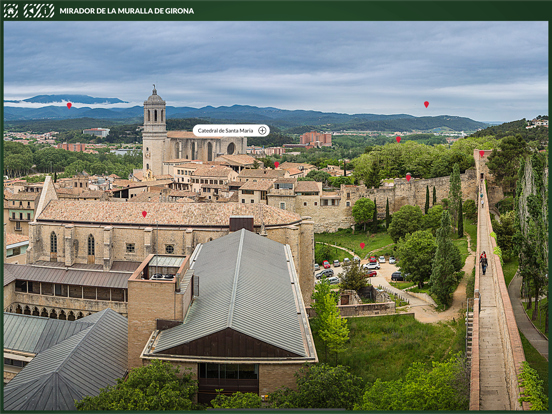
x: 155, y: 115
x: 231, y: 148
x: 162, y: 115
x: 53, y: 243
x: 193, y: 150
x: 147, y: 166
x: 149, y: 117
x: 91, y: 245
x: 209, y: 152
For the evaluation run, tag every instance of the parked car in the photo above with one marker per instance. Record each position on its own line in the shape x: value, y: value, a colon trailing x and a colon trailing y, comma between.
x: 316, y: 267
x: 373, y: 259
x: 397, y: 276
x: 336, y: 263
x: 392, y: 260
x: 371, y: 266
x: 334, y: 280
x: 346, y: 262
x: 372, y: 273
x: 382, y: 259
x: 326, y: 264
x: 325, y: 272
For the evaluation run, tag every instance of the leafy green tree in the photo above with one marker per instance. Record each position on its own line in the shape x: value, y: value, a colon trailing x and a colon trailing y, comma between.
x: 363, y: 211
x: 504, y: 164
x: 237, y: 400
x: 152, y: 387
x: 268, y: 162
x: 442, y: 276
x: 444, y: 387
x: 405, y: 221
x: 372, y: 178
x: 337, y: 181
x: 323, y: 252
x: 434, y: 196
x: 470, y: 210
x: 533, y: 390
x: 505, y: 230
x: 387, y: 216
x: 320, y: 176
x: 432, y: 220
x: 353, y: 278
x: 375, y: 218
x: 455, y: 195
x: 320, y: 386
x: 416, y: 252
x: 426, y: 209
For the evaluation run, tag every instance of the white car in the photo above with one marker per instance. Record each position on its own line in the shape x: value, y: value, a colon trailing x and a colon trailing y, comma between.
x: 392, y: 260
x: 382, y: 259
x: 371, y: 266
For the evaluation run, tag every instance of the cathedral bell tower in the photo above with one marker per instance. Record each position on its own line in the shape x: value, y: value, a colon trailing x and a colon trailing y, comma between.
x: 154, y: 134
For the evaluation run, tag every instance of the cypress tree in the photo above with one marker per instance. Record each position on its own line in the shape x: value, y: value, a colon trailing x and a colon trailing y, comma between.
x: 387, y: 216
x: 427, y: 200
x: 375, y: 218
x: 442, y: 274
x: 460, y: 221
x: 55, y: 176
x: 455, y: 194
x: 434, y: 196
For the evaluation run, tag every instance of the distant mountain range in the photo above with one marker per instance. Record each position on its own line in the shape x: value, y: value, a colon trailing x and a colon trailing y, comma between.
x: 285, y: 119
x: 81, y: 99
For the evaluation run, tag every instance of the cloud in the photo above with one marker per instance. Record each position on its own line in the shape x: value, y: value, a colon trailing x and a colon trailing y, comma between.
x: 473, y: 69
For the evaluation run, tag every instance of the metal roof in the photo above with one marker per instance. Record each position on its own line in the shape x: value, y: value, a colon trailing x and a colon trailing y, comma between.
x: 79, y: 366
x: 166, y: 261
x: 245, y: 284
x: 34, y: 334
x: 67, y: 277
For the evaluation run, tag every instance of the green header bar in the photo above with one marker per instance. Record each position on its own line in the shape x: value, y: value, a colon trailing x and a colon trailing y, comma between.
x: 276, y: 10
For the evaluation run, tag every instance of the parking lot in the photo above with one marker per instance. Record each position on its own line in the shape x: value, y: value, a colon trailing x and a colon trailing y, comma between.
x: 384, y: 272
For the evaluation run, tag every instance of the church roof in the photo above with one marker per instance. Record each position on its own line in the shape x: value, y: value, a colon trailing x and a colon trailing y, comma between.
x: 175, y: 214
x: 154, y: 99
x: 213, y: 171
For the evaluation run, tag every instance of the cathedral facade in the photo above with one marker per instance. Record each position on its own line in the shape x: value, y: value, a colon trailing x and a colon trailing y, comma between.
x: 160, y: 145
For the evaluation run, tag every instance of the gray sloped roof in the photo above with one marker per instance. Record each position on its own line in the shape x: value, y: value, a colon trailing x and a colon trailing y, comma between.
x: 79, y: 366
x: 244, y: 284
x: 34, y: 334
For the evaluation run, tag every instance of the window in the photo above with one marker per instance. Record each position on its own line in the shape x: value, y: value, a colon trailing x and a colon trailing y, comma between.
x: 348, y: 196
x: 252, y: 201
x: 169, y: 248
x: 14, y: 362
x: 80, y: 185
x: 243, y: 200
x: 250, y: 192
x: 20, y: 216
x: 28, y: 204
x: 305, y: 204
x: 28, y: 216
x: 21, y: 204
x: 91, y: 247
x: 130, y: 248
x: 229, y: 371
x: 283, y: 206
x: 316, y: 203
x: 53, y: 243
x: 18, y: 225
x: 348, y: 204
x: 13, y: 216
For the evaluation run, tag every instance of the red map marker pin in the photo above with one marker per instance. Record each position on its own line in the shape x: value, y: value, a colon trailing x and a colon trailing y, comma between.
x: 69, y: 105
x: 362, y: 245
x: 276, y: 164
x: 408, y: 177
x: 426, y: 103
x: 398, y: 139
x: 481, y: 153
x: 144, y: 213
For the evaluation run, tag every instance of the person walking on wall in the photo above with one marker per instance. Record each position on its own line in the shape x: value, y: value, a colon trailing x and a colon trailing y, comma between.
x: 483, y: 261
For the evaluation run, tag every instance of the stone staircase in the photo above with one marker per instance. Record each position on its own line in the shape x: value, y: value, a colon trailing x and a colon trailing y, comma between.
x: 469, y: 333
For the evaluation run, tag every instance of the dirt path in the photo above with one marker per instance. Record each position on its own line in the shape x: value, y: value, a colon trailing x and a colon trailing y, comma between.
x: 427, y: 313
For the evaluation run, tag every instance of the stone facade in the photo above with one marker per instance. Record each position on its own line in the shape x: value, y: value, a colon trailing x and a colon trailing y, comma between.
x: 274, y: 376
x: 160, y: 146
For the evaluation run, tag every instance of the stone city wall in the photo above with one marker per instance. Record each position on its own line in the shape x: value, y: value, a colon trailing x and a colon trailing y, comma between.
x: 365, y: 309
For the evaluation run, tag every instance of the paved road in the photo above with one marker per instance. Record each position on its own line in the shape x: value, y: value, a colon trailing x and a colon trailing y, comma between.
x: 522, y: 320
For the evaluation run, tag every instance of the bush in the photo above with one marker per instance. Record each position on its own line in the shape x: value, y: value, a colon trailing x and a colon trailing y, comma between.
x: 236, y: 400
x: 532, y: 388
x: 320, y: 386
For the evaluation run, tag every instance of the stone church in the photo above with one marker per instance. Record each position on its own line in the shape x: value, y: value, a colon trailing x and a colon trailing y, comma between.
x: 160, y: 145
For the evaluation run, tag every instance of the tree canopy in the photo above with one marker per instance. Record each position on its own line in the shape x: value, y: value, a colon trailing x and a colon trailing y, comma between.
x: 153, y: 387
x: 363, y: 211
x: 405, y: 221
x: 416, y: 252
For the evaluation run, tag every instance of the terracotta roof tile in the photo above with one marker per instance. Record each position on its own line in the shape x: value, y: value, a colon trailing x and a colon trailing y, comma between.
x: 239, y: 159
x: 261, y: 185
x: 15, y: 238
x: 306, y: 186
x: 259, y: 173
x: 213, y: 171
x: 294, y: 171
x: 178, y: 214
x: 22, y: 196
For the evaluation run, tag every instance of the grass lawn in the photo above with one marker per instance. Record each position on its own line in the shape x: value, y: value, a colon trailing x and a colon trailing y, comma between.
x: 536, y: 361
x: 402, y: 285
x: 462, y: 244
x: 509, y: 269
x: 539, y: 322
x: 471, y: 229
x: 346, y: 238
x: 336, y: 254
x: 385, y: 346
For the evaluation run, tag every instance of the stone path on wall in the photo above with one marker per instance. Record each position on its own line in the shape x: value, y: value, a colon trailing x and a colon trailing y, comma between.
x: 533, y: 335
x: 493, y: 389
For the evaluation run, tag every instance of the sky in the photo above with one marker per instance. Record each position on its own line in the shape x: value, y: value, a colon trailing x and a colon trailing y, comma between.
x: 487, y: 71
